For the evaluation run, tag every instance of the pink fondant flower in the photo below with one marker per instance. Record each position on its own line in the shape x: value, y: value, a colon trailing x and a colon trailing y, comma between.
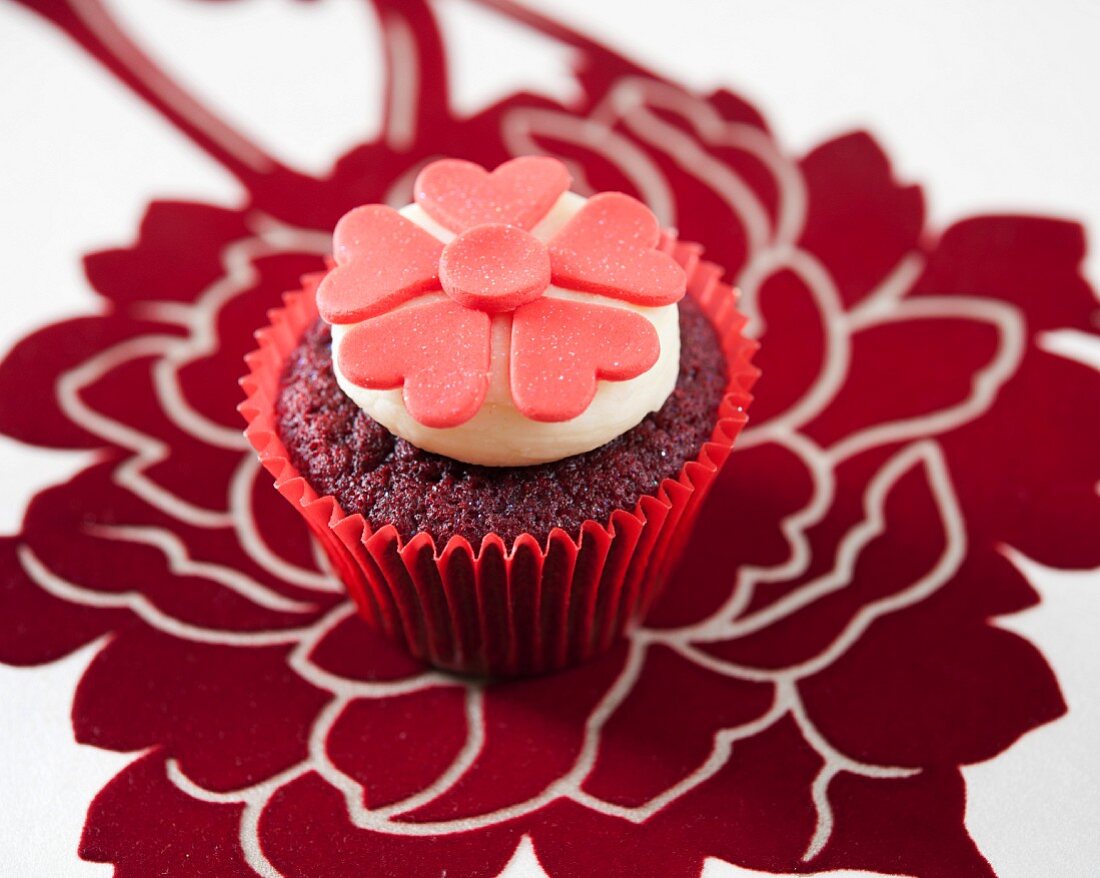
x: 438, y: 348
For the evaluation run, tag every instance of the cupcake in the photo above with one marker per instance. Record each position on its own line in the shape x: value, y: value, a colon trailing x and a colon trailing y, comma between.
x: 500, y: 410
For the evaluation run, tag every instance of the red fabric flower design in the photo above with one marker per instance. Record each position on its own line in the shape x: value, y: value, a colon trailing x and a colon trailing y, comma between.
x: 439, y: 349
x: 796, y: 703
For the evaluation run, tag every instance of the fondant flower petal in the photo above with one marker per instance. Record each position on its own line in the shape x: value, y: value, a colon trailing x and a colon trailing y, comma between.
x: 439, y: 352
x: 609, y: 247
x: 561, y: 347
x: 460, y: 195
x: 382, y: 260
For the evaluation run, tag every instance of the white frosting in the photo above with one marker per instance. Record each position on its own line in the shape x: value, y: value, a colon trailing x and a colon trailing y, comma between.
x: 498, y: 435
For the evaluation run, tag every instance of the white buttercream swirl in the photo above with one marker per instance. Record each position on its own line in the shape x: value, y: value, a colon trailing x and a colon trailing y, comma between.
x: 499, y: 435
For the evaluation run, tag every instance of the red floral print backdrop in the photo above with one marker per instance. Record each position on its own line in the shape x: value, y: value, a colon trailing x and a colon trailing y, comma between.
x: 819, y: 669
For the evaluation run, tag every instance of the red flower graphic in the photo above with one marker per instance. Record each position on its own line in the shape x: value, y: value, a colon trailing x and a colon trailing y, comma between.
x: 802, y: 697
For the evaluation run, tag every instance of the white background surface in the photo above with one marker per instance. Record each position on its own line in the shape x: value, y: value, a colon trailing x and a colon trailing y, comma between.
x: 990, y: 105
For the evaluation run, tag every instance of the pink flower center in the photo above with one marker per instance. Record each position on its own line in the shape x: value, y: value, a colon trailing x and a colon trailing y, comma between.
x: 495, y: 268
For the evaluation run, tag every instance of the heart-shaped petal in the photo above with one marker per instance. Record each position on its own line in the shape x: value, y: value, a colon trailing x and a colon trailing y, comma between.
x: 609, y: 248
x: 437, y: 351
x: 560, y: 348
x: 495, y: 268
x: 460, y: 195
x: 382, y: 260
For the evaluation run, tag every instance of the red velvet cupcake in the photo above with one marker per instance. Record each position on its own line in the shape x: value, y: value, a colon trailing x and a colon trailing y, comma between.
x: 500, y: 411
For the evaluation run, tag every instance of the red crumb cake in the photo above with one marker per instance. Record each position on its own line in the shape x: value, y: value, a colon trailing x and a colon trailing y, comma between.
x: 342, y: 451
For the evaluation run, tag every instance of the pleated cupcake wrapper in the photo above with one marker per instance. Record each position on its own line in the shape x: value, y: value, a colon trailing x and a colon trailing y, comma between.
x: 494, y: 609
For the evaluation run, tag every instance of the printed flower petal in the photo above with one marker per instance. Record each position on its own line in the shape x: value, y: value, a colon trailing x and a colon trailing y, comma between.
x: 859, y: 221
x: 232, y: 716
x: 145, y: 825
x: 891, y: 539
x: 1041, y: 497
x: 307, y: 833
x: 890, y: 396
x: 355, y: 651
x: 1033, y: 262
x: 102, y: 546
x: 204, y: 402
x: 395, y: 747
x: 738, y: 527
x: 37, y: 627
x: 188, y: 237
x: 902, y: 826
x: 551, y: 710
x: 1044, y: 504
x: 646, y: 749
x: 36, y: 364
x: 930, y: 689
x: 761, y: 788
x: 795, y: 345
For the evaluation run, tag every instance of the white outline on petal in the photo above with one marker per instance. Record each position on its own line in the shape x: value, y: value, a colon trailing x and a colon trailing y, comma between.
x: 696, y: 161
x: 180, y: 562
x: 858, y: 538
x: 254, y: 799
x: 835, y: 763
x: 925, y: 453
x: 719, y: 755
x: 793, y: 527
x: 144, y: 609
x: 173, y: 353
x: 200, y: 317
x: 632, y: 93
x: 345, y: 687
x: 464, y: 759
x: 627, y: 100
x: 985, y: 385
x: 147, y: 450
x: 248, y: 535
x: 836, y: 352
x: 404, y: 81
x: 518, y: 125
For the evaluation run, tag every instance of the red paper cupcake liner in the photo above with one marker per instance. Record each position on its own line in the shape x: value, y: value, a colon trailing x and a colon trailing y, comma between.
x: 493, y: 610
